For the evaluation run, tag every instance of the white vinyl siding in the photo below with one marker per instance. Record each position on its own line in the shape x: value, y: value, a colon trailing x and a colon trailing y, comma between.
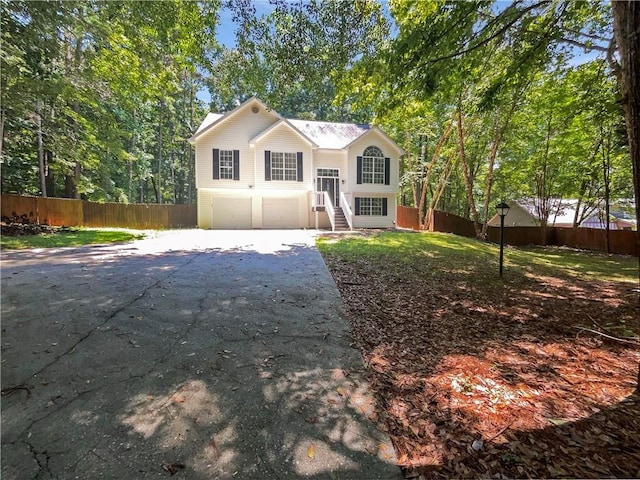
x: 370, y: 213
x: 283, y: 139
x: 233, y: 134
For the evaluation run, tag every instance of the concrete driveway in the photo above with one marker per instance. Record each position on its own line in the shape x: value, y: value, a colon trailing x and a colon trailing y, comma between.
x: 206, y: 353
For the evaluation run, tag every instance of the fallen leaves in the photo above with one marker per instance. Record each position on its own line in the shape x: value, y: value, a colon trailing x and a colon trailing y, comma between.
x: 311, y: 451
x: 475, y: 380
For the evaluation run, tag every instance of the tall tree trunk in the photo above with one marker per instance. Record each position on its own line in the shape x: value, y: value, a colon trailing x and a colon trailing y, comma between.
x: 437, y: 194
x: 425, y: 183
x: 158, y: 187
x: 626, y: 25
x: 467, y: 177
x: 606, y: 173
x: 3, y: 117
x: 543, y: 206
x: 189, y: 146
x: 50, y: 178
x: 38, y: 118
x: 495, y: 146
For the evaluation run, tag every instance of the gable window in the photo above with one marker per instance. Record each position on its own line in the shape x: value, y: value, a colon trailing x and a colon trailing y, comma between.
x: 226, y: 164
x: 284, y: 166
x: 371, y: 206
x: 373, y: 167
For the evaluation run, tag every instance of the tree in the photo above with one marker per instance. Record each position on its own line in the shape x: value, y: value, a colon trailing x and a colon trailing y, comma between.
x: 75, y: 80
x: 295, y: 58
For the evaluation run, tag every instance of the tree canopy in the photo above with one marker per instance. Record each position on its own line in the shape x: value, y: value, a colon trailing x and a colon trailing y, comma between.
x: 490, y: 100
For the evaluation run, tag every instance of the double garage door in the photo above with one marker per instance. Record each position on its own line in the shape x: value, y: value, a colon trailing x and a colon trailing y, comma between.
x: 237, y: 213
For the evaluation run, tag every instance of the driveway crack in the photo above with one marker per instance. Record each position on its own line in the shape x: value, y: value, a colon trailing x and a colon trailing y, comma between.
x: 110, y: 317
x: 44, y: 471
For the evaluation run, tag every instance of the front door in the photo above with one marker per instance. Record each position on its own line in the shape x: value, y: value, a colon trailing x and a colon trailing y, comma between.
x: 328, y: 180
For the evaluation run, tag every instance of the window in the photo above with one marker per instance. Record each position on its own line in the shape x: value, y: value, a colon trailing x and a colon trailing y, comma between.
x: 373, y: 167
x: 371, y: 206
x: 283, y: 166
x: 328, y: 172
x: 226, y: 164
x: 286, y: 166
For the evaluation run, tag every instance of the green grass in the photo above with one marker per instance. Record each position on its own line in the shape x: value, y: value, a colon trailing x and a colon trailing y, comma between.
x: 69, y: 238
x: 446, y: 253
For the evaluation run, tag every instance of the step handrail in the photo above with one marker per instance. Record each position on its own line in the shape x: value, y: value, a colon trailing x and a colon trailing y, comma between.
x: 346, y: 209
x: 330, y: 210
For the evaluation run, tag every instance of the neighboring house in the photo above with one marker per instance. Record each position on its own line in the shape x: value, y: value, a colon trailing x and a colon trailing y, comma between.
x: 256, y: 169
x: 523, y: 213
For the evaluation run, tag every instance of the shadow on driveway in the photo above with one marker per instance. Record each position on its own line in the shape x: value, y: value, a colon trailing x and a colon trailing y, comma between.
x: 230, y: 359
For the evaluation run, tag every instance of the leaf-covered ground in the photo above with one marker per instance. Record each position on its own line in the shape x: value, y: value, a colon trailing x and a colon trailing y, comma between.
x: 480, y: 377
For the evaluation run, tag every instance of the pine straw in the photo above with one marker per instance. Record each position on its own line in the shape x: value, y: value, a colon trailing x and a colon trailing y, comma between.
x: 456, y: 359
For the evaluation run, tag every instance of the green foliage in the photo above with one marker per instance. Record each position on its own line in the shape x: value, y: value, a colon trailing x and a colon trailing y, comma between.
x: 452, y: 254
x: 76, y: 74
x: 68, y: 238
x: 295, y: 59
x: 534, y: 125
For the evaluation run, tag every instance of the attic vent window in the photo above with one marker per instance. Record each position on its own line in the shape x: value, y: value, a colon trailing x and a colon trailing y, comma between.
x: 255, y: 109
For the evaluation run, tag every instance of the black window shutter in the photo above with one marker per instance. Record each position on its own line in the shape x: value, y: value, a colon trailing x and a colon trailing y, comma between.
x: 267, y: 165
x: 236, y: 164
x: 359, y: 173
x: 216, y: 164
x: 384, y: 207
x: 357, y: 206
x: 299, y: 165
x: 387, y: 172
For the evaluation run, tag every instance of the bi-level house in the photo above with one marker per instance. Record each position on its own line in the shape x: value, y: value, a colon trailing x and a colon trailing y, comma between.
x: 256, y: 169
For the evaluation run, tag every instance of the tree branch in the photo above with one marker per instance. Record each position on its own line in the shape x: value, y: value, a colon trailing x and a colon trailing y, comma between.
x: 501, y: 31
x: 583, y: 45
x: 623, y: 340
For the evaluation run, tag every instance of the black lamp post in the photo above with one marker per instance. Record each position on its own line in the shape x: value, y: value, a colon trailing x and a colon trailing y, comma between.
x: 502, y: 209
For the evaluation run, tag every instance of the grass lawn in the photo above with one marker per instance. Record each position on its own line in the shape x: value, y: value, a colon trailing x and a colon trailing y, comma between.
x: 68, y: 238
x: 477, y: 376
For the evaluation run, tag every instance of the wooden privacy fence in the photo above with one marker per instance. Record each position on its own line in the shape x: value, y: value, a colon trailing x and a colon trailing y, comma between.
x: 620, y: 241
x: 78, y: 213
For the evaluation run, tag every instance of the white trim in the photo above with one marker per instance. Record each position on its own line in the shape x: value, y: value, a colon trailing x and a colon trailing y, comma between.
x: 393, y: 144
x: 276, y: 125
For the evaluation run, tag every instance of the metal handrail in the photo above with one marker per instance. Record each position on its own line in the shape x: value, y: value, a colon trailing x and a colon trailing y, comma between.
x: 330, y: 211
x: 346, y: 209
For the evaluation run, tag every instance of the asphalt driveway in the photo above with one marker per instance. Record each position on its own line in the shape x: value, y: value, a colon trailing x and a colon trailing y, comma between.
x: 211, y: 354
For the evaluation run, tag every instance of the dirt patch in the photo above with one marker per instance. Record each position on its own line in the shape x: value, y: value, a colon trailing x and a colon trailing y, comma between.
x: 475, y: 379
x: 16, y: 226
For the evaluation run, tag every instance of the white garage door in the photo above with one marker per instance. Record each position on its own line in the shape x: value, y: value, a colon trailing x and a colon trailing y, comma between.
x: 231, y: 213
x: 280, y: 213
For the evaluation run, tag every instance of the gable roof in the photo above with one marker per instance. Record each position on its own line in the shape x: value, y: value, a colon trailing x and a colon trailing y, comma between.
x: 279, y: 123
x: 213, y: 119
x: 374, y: 130
x: 324, y: 135
x: 210, y: 119
x: 330, y: 135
